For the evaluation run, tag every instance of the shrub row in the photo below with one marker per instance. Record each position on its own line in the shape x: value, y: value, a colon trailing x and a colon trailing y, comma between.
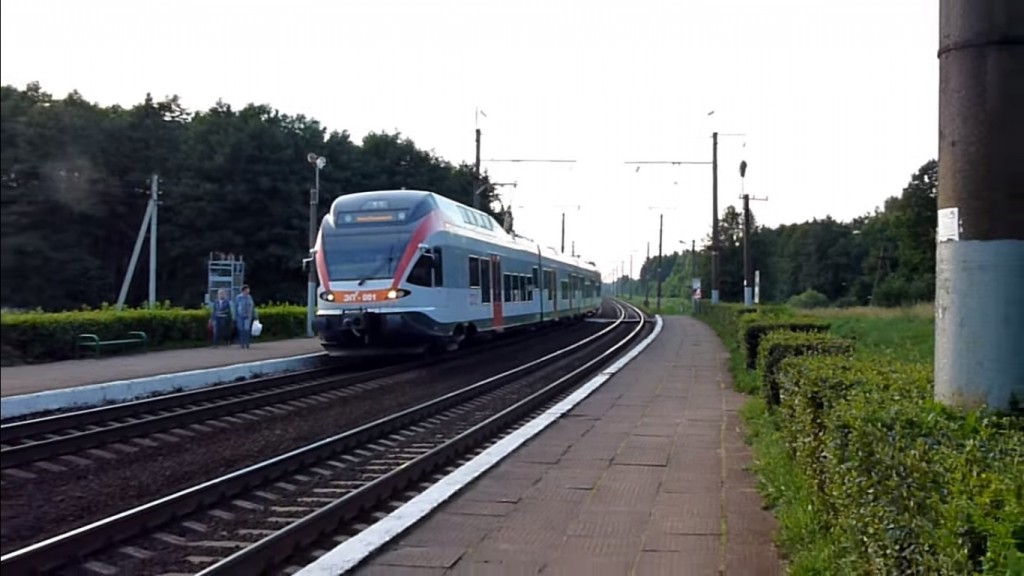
x: 906, y: 485
x: 779, y: 345
x: 37, y: 337
x: 901, y: 484
x: 756, y: 329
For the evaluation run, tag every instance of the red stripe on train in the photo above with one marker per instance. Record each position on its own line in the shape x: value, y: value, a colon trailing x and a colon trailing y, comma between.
x: 431, y: 223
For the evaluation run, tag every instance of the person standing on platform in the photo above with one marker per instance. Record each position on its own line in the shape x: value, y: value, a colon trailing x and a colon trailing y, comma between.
x: 220, y: 318
x: 245, y: 313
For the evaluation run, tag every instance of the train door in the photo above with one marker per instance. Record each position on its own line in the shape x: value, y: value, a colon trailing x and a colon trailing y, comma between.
x: 496, y: 282
x: 572, y: 292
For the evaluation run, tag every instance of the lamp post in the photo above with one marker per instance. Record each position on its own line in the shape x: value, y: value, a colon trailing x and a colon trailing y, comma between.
x: 318, y: 163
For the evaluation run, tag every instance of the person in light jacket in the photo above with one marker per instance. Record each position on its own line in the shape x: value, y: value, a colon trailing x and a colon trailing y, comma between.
x: 245, y: 313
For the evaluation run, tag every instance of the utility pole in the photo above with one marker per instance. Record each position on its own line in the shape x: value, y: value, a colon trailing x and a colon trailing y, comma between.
x: 154, y: 199
x: 318, y: 163
x: 693, y: 259
x: 630, y: 275
x: 748, y: 265
x: 563, y: 232
x: 476, y: 173
x: 622, y: 272
x: 573, y: 249
x: 647, y: 282
x: 148, y: 220
x: 714, y: 218
x: 661, y: 226
x: 693, y: 273
x: 979, y: 261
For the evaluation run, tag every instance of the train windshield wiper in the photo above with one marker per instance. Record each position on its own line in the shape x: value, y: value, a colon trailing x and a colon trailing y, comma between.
x: 386, y: 265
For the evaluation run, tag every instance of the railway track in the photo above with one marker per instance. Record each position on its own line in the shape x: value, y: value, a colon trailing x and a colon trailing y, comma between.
x: 257, y: 517
x: 46, y: 438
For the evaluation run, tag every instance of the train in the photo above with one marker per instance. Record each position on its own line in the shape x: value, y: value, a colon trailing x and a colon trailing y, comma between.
x: 407, y: 271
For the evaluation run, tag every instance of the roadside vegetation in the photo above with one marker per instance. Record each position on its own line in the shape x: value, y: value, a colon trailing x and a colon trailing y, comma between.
x: 865, y: 473
x: 31, y: 337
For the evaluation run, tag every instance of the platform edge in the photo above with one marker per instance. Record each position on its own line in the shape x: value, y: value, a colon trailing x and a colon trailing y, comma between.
x: 353, y: 551
x: 92, y: 395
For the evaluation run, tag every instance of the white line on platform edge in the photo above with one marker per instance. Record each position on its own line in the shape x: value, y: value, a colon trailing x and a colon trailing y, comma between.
x: 350, y: 553
x: 91, y: 395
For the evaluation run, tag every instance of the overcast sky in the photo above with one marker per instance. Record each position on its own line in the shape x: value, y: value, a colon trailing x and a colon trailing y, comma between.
x: 838, y: 100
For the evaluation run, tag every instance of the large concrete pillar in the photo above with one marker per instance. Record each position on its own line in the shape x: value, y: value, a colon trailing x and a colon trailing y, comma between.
x: 979, y: 296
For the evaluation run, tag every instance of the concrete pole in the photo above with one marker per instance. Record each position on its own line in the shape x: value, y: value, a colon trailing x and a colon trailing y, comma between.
x: 748, y: 288
x: 153, y: 195
x: 979, y: 268
x: 647, y: 281
x: 693, y: 273
x: 661, y: 226
x: 714, y: 218
x: 135, y: 257
x: 476, y: 174
x: 314, y: 199
x: 563, y: 232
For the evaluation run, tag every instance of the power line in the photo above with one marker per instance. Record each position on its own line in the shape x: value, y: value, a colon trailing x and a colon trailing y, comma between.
x: 537, y: 160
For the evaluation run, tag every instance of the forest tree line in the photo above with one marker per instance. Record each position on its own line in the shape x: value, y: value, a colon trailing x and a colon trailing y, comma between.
x: 74, y: 186
x: 75, y: 178
x: 886, y: 258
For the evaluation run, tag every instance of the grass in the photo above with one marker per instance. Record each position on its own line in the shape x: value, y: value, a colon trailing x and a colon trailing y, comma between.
x: 786, y: 491
x: 673, y: 306
x: 904, y: 333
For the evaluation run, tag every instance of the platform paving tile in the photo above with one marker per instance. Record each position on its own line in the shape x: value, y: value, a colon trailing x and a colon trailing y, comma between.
x: 646, y: 476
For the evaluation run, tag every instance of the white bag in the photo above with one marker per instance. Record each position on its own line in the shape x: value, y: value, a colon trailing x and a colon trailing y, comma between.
x: 257, y: 328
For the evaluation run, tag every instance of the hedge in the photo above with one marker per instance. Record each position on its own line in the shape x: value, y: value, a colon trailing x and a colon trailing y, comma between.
x: 777, y: 346
x: 907, y: 486
x: 36, y: 337
x: 754, y: 330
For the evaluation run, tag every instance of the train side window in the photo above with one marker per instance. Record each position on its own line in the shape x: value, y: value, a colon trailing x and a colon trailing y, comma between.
x: 420, y: 274
x: 485, y: 281
x: 564, y: 289
x: 474, y: 272
x: 438, y: 266
x: 506, y: 284
x: 536, y: 278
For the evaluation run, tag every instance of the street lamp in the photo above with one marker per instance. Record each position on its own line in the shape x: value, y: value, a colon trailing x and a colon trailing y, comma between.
x: 318, y: 163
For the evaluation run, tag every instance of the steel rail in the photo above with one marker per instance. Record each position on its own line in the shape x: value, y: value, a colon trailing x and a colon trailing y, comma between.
x: 57, y: 550
x: 261, y: 556
x: 151, y: 415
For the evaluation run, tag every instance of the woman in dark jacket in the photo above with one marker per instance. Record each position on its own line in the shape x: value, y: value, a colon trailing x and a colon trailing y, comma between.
x: 220, y: 318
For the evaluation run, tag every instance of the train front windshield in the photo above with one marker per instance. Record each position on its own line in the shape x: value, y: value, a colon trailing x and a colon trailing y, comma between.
x: 367, y: 256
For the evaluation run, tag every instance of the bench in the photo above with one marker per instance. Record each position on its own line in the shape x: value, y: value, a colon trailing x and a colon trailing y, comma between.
x: 93, y: 341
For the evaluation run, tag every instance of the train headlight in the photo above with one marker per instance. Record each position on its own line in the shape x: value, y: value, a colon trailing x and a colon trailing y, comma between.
x: 330, y: 296
x: 392, y: 294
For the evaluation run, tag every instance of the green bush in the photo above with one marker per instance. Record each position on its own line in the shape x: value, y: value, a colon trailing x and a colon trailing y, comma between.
x: 780, y: 345
x: 809, y: 299
x: 35, y: 337
x: 754, y: 331
x: 904, y: 485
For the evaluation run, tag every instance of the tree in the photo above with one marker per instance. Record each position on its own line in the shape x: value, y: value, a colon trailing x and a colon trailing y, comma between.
x: 75, y: 179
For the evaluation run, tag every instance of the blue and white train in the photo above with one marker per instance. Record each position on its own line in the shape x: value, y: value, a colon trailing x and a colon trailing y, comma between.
x: 402, y: 271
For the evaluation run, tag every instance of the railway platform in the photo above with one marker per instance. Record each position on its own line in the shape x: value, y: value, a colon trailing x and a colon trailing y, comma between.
x: 647, y: 475
x: 34, y: 378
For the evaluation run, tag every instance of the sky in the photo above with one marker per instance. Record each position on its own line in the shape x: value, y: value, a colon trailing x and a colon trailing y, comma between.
x: 832, y: 104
